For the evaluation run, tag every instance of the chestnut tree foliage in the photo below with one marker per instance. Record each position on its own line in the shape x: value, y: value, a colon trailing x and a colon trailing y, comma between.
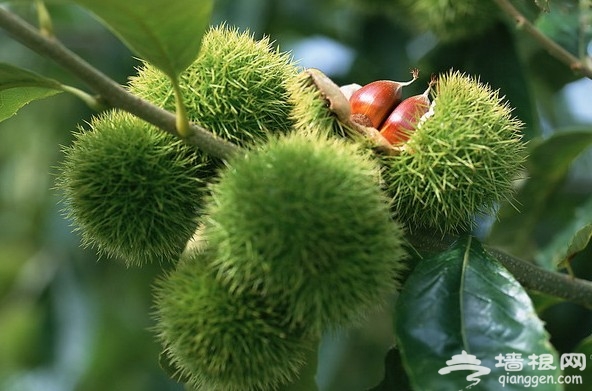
x: 258, y: 228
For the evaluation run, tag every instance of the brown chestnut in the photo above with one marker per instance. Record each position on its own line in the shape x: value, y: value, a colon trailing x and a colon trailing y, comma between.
x: 404, y: 118
x: 371, y: 104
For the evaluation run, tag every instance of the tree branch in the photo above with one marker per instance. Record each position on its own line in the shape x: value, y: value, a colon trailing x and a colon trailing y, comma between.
x: 111, y: 92
x: 553, y: 48
x: 528, y: 274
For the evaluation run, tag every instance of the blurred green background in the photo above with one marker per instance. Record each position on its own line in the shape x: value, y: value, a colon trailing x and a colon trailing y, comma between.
x: 70, y: 321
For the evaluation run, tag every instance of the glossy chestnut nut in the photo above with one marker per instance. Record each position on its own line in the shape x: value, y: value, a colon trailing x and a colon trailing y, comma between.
x: 404, y: 118
x: 371, y: 104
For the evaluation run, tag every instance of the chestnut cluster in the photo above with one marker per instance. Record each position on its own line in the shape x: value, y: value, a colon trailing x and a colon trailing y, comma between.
x: 300, y: 233
x: 447, y: 155
x: 266, y: 258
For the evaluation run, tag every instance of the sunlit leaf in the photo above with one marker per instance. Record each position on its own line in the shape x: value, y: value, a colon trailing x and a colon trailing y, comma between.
x: 19, y: 87
x: 165, y: 33
x: 463, y: 303
x: 543, y: 5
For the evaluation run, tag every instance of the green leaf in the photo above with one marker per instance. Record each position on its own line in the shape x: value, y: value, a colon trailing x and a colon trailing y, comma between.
x: 570, y: 241
x: 563, y: 26
x: 547, y: 166
x: 14, y: 77
x: 395, y: 377
x: 165, y: 33
x: 19, y: 87
x: 463, y: 300
x: 543, y: 5
x: 543, y: 301
x: 21, y: 333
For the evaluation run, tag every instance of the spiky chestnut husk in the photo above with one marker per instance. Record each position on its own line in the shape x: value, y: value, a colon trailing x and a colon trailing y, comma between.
x: 460, y: 161
x: 236, y: 88
x: 313, y: 110
x: 304, y: 219
x: 449, y: 20
x: 371, y: 7
x: 130, y: 189
x: 223, y: 341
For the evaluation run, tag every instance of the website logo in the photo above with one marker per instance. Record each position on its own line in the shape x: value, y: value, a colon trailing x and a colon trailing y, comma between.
x: 513, y: 364
x: 466, y: 362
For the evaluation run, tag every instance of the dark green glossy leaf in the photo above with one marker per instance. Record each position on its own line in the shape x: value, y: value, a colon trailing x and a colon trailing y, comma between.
x: 570, y: 241
x: 547, y: 166
x: 163, y: 32
x: 578, y: 376
x: 395, y: 378
x: 19, y: 87
x: 463, y: 300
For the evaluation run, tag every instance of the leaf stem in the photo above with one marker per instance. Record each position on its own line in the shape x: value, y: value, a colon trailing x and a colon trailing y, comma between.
x: 553, y: 48
x: 531, y: 276
x: 110, y: 91
x: 91, y: 101
x: 45, y: 24
x: 182, y: 121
